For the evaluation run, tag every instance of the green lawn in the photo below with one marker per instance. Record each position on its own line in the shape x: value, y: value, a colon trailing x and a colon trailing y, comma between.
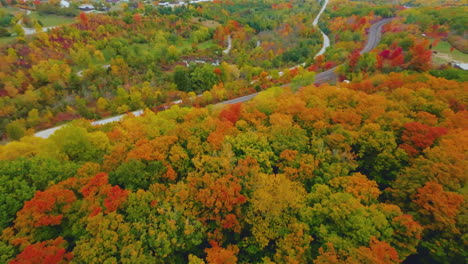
x: 444, y: 54
x: 4, y: 40
x: 47, y: 21
x: 187, y: 44
x: 10, y: 9
x: 206, y: 44
x: 52, y: 20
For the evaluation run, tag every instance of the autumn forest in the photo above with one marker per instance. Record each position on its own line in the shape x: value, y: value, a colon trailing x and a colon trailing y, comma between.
x: 245, y: 137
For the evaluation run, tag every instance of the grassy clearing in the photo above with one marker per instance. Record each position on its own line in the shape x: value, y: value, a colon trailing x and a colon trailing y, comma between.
x: 187, y: 44
x: 11, y: 10
x: 47, y: 21
x: 206, y: 44
x: 5, y: 40
x: 52, y: 20
x: 206, y: 23
x: 211, y: 24
x: 444, y: 54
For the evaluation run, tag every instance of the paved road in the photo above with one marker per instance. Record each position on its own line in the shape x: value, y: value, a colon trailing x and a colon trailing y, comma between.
x: 326, y: 76
x: 229, y: 47
x: 48, y: 132
x: 326, y: 39
x: 240, y: 99
x: 375, y: 34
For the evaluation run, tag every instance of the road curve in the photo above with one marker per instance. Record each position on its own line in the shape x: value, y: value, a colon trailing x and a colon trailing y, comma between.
x: 375, y: 34
x: 229, y: 47
x: 326, y: 76
x: 326, y: 39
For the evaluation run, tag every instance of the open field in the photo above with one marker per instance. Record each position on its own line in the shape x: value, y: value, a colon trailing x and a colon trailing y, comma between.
x: 202, y: 45
x: 52, y: 20
x: 207, y: 23
x: 47, y: 20
x: 11, y: 10
x: 444, y: 55
x: 4, y: 40
x: 206, y: 44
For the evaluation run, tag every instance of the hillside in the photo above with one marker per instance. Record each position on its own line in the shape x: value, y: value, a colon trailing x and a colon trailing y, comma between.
x: 365, y: 165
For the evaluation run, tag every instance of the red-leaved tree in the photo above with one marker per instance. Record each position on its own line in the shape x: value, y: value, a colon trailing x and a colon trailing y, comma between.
x: 50, y: 252
x: 416, y: 137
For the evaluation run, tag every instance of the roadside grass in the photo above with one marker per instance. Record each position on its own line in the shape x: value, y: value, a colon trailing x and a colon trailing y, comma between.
x: 47, y: 20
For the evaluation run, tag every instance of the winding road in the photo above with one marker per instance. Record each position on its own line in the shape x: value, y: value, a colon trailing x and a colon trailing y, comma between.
x: 326, y: 39
x: 375, y: 34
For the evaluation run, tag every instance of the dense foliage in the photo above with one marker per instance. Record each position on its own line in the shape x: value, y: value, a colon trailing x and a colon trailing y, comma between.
x: 372, y: 170
x: 366, y: 171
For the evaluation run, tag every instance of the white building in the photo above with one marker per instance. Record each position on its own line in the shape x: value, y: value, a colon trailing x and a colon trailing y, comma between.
x: 64, y: 4
x: 460, y: 65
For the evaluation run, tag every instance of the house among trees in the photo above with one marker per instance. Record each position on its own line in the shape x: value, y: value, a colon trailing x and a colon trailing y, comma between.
x: 86, y: 8
x: 460, y: 65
